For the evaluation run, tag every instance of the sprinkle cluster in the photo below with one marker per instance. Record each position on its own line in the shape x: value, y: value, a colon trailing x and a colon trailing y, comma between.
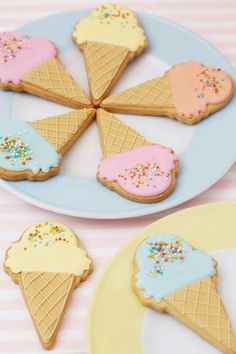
x: 143, y: 174
x: 10, y: 45
x: 46, y: 234
x: 111, y: 13
x: 15, y: 150
x: 209, y: 82
x: 162, y: 252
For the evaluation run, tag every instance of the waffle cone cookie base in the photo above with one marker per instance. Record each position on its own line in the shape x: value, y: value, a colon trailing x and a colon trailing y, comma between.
x: 46, y: 293
x: 41, y: 145
x: 51, y: 81
x: 115, y: 136
x: 63, y: 130
x: 175, y: 98
x: 164, y: 269
x: 199, y: 307
x: 104, y: 63
x: 116, y: 139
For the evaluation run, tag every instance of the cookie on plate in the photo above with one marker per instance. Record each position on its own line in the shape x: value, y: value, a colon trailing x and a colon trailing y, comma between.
x: 172, y: 276
x: 34, y: 150
x: 132, y: 166
x: 48, y: 262
x: 110, y: 37
x: 187, y: 92
x: 30, y: 64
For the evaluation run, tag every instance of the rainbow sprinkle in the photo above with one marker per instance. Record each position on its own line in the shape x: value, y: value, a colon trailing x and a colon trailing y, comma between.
x: 47, y: 234
x: 15, y: 150
x: 111, y: 12
x: 143, y: 174
x: 162, y: 252
x: 208, y: 82
x: 10, y: 45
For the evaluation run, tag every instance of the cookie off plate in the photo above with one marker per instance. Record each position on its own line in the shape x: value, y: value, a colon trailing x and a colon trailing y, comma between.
x: 205, y: 151
x: 119, y: 323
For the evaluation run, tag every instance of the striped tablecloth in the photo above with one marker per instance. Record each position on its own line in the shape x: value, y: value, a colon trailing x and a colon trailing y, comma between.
x: 215, y: 20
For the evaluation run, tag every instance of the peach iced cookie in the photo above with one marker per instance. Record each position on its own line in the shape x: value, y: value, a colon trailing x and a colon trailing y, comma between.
x: 187, y: 92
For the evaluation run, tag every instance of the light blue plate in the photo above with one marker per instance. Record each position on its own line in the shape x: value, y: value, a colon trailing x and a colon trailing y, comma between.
x: 207, y: 157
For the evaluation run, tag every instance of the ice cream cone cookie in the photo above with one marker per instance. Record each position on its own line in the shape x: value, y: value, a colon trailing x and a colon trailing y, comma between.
x: 34, y: 150
x: 172, y: 276
x: 110, y: 37
x: 187, y: 92
x: 31, y: 64
x: 48, y: 262
x: 131, y: 166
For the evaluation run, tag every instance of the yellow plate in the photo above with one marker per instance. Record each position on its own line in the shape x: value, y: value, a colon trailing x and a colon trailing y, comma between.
x: 116, y: 315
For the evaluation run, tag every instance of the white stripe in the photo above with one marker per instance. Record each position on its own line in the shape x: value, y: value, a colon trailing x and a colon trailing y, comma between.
x: 23, y: 315
x: 227, y: 194
x: 221, y: 37
x: 29, y: 335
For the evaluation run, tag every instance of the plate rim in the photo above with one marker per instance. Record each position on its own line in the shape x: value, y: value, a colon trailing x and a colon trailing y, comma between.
x: 127, y: 244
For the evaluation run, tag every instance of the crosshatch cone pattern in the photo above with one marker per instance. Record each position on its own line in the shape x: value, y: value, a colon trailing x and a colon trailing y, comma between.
x: 115, y: 136
x: 103, y: 62
x: 152, y: 93
x: 51, y: 76
x: 59, y: 130
x: 46, y: 295
x: 199, y: 306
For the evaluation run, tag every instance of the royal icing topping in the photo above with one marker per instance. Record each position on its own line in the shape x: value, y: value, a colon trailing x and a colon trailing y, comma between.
x: 23, y: 148
x: 111, y: 24
x: 48, y: 247
x: 194, y: 86
x: 166, y: 264
x: 144, y: 171
x: 20, y: 53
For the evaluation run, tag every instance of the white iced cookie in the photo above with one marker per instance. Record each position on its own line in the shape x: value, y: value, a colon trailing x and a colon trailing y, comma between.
x: 48, y: 262
x: 48, y: 247
x: 111, y: 24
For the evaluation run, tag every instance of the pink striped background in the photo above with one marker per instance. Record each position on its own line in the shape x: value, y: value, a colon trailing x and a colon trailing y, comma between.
x: 213, y: 19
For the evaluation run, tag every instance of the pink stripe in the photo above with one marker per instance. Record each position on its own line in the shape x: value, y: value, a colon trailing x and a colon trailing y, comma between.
x: 33, y: 345
x: 165, y: 6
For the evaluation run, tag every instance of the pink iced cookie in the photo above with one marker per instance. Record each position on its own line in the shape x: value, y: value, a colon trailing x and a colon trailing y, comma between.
x: 142, y: 172
x: 132, y: 166
x: 20, y: 53
x: 30, y: 64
